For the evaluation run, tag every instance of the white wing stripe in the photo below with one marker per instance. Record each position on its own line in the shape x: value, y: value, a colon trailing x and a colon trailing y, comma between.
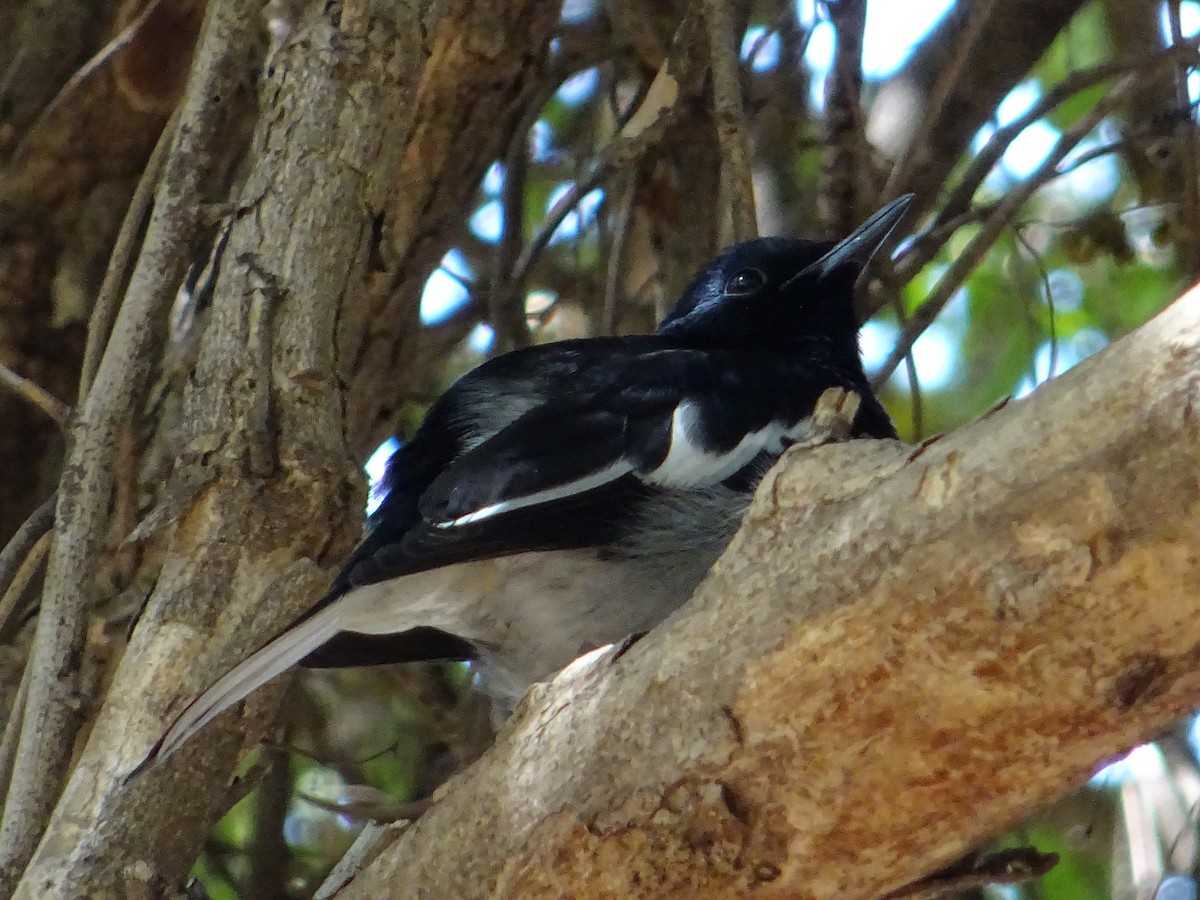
x: 685, y: 465
x: 549, y: 495
x: 689, y: 465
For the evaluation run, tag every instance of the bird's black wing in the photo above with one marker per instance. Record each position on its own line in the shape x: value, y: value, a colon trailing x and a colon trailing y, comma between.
x: 475, y: 409
x: 567, y: 472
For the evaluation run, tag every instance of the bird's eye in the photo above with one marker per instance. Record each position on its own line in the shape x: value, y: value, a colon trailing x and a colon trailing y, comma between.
x: 744, y: 282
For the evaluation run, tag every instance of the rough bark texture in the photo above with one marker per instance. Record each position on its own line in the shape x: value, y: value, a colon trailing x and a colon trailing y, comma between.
x: 359, y: 137
x: 485, y: 66
x: 961, y: 634
x: 902, y: 653
x: 56, y: 700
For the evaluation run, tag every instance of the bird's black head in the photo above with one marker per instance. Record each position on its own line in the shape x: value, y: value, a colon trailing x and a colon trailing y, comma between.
x: 781, y: 293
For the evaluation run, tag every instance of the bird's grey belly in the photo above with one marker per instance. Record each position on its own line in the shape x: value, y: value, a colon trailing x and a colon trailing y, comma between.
x: 530, y: 614
x: 533, y: 613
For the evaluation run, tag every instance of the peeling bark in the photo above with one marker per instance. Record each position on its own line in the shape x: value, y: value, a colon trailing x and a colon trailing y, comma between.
x: 902, y: 654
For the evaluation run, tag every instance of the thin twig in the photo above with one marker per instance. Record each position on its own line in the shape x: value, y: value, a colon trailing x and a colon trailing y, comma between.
x: 1005, y: 210
x: 644, y: 112
x: 103, y: 55
x: 12, y: 594
x: 925, y: 246
x: 916, y: 397
x: 268, y: 853
x: 747, y: 65
x: 104, y: 310
x: 21, y: 544
x: 618, y: 156
x: 780, y: 23
x: 729, y: 113
x: 506, y: 307
x: 36, y: 395
x: 12, y: 731
x: 616, y: 252
x: 1048, y: 289
x: 1186, y: 142
x: 985, y: 160
x: 951, y: 70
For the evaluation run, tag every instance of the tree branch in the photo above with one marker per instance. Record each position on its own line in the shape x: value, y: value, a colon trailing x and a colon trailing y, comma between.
x: 1004, y: 212
x: 959, y: 98
x: 36, y: 395
x: 108, y: 299
x: 846, y: 185
x: 730, y: 115
x: 902, y: 653
x: 52, y: 714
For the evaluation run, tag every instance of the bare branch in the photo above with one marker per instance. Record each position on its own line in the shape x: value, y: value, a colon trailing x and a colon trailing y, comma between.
x: 1001, y: 47
x: 16, y: 588
x: 506, y: 307
x: 950, y: 71
x: 21, y: 546
x: 644, y: 128
x: 1188, y: 147
x: 983, y: 162
x: 12, y: 730
x: 730, y: 116
x: 846, y: 186
x: 1005, y: 210
x: 616, y: 250
x: 103, y: 55
x: 104, y: 310
x: 35, y: 395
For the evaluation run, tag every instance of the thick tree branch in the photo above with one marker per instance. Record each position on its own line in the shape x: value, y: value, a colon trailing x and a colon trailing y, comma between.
x: 484, y: 65
x: 903, y: 653
x: 348, y: 182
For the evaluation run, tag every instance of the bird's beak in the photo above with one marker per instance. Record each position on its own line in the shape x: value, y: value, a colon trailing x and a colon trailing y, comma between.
x: 857, y: 249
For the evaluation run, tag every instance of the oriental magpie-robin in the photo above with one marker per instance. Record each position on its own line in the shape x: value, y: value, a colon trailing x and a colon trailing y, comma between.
x: 563, y: 496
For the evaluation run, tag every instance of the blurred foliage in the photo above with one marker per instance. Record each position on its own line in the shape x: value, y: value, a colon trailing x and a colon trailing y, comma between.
x: 1094, y: 253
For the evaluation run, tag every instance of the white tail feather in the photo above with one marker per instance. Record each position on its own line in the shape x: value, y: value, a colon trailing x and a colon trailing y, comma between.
x: 249, y: 675
x: 390, y: 607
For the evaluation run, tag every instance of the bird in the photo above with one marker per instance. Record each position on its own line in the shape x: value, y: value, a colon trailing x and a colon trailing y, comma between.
x: 567, y: 495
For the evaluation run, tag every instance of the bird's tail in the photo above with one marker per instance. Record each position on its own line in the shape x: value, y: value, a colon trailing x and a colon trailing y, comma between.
x: 378, y: 623
x: 274, y: 658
